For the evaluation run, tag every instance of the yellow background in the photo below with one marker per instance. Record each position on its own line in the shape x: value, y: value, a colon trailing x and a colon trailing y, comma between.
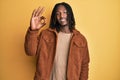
x: 98, y: 20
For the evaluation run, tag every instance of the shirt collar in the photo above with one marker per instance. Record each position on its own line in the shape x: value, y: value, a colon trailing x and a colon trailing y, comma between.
x: 75, y: 31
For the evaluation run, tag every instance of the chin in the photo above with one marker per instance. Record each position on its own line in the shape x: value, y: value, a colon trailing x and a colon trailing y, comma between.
x: 63, y: 25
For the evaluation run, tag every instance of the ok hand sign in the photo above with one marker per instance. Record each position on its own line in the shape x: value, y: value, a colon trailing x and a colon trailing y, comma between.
x: 37, y: 20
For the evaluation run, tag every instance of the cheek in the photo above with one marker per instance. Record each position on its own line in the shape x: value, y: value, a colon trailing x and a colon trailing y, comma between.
x: 66, y: 15
x: 58, y: 17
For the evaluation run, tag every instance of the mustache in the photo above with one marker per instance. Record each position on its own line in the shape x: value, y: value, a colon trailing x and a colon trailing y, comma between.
x: 63, y: 18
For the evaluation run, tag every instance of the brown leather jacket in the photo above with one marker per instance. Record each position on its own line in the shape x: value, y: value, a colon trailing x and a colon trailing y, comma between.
x: 44, y: 46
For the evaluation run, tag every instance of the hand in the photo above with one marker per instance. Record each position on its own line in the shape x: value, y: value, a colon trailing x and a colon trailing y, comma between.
x: 37, y: 20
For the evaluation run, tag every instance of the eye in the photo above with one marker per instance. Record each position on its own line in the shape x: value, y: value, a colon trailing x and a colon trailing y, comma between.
x: 57, y: 13
x: 65, y: 12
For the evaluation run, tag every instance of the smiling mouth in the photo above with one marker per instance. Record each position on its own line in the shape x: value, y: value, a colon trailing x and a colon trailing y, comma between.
x: 62, y: 20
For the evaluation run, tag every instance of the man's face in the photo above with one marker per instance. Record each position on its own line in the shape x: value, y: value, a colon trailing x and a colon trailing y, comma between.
x: 62, y: 15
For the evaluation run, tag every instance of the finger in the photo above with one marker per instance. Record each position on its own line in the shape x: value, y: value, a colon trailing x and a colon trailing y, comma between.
x: 42, y: 24
x: 41, y: 11
x: 42, y: 21
x: 33, y: 13
x: 41, y: 18
x: 38, y: 10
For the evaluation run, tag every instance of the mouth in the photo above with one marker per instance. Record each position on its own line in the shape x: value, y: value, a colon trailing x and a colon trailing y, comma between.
x: 63, y: 19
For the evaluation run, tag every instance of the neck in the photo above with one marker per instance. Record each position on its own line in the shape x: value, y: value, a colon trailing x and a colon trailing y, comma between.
x: 65, y: 29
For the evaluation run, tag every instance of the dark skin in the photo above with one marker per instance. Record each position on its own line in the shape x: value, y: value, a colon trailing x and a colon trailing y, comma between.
x: 38, y: 21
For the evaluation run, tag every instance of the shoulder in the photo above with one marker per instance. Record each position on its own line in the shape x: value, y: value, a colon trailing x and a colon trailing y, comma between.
x: 80, y: 38
x: 47, y: 34
x: 79, y: 35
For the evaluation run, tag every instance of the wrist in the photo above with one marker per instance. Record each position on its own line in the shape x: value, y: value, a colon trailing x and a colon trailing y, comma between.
x: 31, y: 29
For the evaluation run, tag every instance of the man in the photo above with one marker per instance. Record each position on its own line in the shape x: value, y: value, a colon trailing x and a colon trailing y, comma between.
x: 61, y: 50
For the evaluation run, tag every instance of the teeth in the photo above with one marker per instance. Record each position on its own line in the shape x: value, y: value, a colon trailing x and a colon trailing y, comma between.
x: 62, y: 20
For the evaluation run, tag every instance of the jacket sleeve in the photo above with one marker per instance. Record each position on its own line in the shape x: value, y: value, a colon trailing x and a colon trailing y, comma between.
x: 85, y: 64
x: 31, y: 42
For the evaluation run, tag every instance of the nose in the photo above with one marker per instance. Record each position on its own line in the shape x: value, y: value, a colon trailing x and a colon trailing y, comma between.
x: 61, y: 15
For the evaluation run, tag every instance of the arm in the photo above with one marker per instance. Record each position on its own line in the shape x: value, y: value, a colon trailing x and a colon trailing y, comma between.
x: 31, y: 42
x: 85, y: 64
x: 31, y: 39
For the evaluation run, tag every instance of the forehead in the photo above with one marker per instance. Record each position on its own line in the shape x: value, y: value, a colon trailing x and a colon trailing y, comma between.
x: 61, y: 8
